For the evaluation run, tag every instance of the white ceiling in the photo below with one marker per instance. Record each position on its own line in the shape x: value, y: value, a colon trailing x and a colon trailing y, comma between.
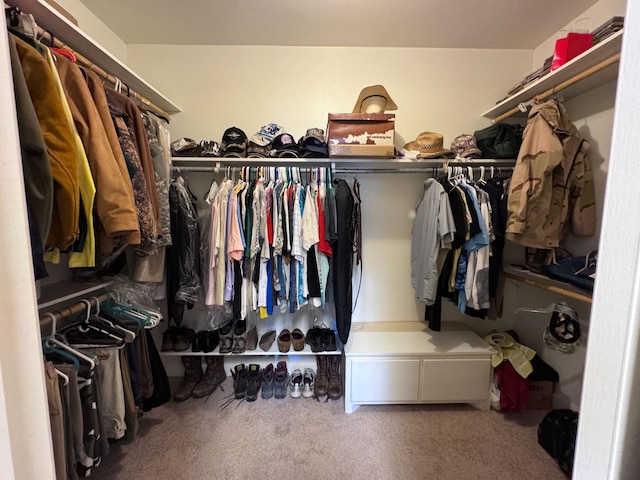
x: 359, y: 23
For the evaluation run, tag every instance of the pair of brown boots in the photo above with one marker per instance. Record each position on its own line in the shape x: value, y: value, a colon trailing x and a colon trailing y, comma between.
x: 328, y: 379
x: 197, y: 384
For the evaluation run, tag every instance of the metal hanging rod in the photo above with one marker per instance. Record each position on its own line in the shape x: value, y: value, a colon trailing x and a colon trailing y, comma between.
x: 344, y: 166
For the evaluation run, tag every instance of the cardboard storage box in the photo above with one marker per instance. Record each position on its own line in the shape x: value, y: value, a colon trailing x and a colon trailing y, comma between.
x: 361, y: 135
x: 540, y: 394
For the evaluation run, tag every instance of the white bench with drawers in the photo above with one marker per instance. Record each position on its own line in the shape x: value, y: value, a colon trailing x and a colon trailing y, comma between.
x: 405, y: 363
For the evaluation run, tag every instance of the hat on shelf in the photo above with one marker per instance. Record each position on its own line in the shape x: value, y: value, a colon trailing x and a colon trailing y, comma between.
x: 267, y: 134
x: 429, y: 145
x: 234, y: 143
x: 563, y: 332
x: 284, y: 146
x: 374, y: 99
x: 312, y: 144
x: 257, y: 151
x: 464, y: 146
x: 210, y: 148
x: 185, y: 147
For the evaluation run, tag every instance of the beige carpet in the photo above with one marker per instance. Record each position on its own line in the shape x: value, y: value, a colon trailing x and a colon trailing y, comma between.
x: 304, y: 439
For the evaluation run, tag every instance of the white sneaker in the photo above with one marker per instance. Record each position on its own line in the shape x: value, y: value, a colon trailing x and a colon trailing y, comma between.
x: 295, y: 387
x: 308, y: 382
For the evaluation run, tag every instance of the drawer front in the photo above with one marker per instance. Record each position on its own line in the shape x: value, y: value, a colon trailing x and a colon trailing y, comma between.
x: 384, y: 380
x: 455, y: 380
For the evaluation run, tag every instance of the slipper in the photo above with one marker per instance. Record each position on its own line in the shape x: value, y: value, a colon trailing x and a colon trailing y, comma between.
x: 284, y: 341
x: 267, y: 340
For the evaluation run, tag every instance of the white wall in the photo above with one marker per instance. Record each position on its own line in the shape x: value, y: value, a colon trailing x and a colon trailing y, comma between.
x: 436, y: 90
x: 25, y: 436
x: 96, y: 28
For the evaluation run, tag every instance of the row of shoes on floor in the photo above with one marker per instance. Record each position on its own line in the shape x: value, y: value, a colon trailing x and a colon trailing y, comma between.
x: 251, y: 380
x: 234, y: 338
x: 269, y: 381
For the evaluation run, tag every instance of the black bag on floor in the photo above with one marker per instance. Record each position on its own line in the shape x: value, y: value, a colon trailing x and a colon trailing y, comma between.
x: 557, y: 435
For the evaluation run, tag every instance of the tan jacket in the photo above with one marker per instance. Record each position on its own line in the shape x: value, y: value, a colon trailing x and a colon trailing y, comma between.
x: 552, y: 184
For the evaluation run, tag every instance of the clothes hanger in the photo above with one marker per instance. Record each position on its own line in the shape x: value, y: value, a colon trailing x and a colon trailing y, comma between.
x: 130, y: 335
x: 53, y: 342
x: 93, y: 332
x: 63, y: 376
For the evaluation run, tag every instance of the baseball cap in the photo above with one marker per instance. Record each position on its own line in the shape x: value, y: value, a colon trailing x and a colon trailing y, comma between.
x: 257, y: 151
x: 312, y: 144
x: 465, y: 146
x: 185, y: 147
x: 267, y: 134
x: 284, y: 146
x: 234, y: 141
x: 563, y: 332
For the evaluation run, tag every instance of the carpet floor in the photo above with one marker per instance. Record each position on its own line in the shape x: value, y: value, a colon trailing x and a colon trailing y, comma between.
x: 302, y: 438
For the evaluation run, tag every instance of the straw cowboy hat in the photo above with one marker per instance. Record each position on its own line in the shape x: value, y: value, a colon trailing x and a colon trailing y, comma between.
x: 374, y: 99
x: 429, y: 144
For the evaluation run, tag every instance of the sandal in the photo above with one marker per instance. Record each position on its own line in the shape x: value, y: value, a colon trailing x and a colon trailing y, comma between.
x: 226, y: 338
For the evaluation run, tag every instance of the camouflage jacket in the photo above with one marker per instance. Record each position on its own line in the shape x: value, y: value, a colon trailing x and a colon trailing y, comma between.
x: 552, y: 185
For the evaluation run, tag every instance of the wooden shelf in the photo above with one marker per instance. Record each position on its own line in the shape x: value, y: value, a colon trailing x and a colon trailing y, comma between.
x: 602, y: 51
x: 49, y: 19
x: 541, y: 281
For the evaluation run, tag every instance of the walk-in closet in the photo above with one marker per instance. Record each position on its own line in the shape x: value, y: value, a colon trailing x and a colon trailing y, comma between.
x: 179, y: 268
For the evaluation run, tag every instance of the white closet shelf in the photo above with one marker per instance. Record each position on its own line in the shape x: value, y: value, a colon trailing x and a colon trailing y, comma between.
x: 542, y: 281
x: 273, y: 351
x: 50, y: 19
x: 381, y: 164
x: 592, y: 57
x: 61, y: 292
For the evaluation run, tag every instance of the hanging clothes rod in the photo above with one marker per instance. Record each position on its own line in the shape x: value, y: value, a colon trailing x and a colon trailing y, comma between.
x: 345, y: 170
x: 45, y: 319
x: 561, y: 86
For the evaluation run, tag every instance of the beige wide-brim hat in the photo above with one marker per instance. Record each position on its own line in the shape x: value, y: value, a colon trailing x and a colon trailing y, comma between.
x: 429, y: 144
x: 374, y: 91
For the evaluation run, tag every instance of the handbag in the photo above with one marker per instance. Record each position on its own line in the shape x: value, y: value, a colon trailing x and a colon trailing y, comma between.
x: 557, y: 435
x: 569, y: 47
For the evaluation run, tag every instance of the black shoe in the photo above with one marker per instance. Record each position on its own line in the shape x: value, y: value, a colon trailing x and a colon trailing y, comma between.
x: 199, y: 341
x: 211, y: 340
x: 254, y: 380
x: 240, y: 377
x: 314, y: 339
x: 184, y: 337
x: 328, y: 338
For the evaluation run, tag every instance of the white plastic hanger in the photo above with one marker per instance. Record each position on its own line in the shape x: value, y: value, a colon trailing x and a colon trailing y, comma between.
x: 51, y: 341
